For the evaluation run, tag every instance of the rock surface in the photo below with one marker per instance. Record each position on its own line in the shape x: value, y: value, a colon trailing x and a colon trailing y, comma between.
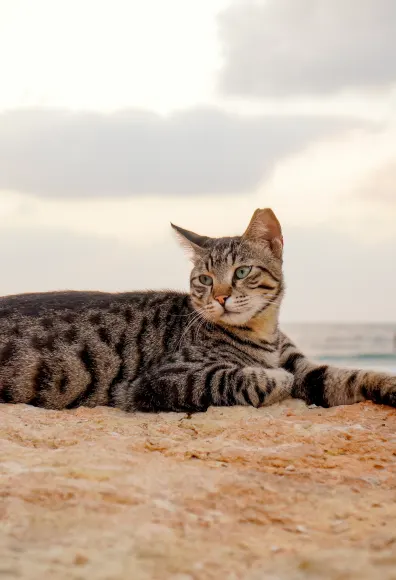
x: 280, y: 493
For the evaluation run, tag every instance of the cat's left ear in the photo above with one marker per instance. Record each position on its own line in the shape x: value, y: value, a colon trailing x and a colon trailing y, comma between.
x: 265, y: 227
x: 194, y: 244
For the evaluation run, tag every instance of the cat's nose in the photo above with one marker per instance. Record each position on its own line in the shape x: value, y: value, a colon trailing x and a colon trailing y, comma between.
x: 221, y: 299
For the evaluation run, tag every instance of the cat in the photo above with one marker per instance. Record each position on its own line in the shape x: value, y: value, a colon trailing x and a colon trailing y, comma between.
x: 169, y: 351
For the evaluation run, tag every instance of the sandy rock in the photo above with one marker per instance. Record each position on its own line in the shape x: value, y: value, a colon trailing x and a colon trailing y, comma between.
x: 280, y: 493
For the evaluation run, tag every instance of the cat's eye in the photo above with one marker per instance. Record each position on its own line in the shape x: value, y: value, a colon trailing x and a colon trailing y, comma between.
x: 242, y: 272
x: 206, y: 280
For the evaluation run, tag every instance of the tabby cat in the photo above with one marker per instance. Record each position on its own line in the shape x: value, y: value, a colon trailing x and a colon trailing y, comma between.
x: 169, y: 351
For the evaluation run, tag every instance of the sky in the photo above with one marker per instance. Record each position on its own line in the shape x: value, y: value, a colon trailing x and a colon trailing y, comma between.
x: 119, y: 116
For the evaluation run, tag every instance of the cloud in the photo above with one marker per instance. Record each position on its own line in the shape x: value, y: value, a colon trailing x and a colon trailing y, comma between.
x: 203, y: 151
x: 36, y: 260
x: 380, y: 187
x: 331, y: 277
x: 307, y: 47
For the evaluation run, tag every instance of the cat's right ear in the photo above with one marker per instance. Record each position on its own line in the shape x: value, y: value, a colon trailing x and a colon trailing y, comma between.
x: 265, y: 227
x: 192, y: 243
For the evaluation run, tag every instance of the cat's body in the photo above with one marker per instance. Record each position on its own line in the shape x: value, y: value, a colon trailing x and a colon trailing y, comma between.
x: 168, y: 351
x: 62, y: 350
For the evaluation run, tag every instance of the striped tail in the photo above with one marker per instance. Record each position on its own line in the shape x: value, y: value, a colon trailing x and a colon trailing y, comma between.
x: 329, y: 386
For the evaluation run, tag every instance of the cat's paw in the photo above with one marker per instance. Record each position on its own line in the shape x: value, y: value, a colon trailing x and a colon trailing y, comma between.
x: 281, y: 383
x: 385, y: 394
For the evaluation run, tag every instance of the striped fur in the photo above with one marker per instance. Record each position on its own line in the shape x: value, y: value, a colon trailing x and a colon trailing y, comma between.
x: 169, y: 351
x: 328, y: 386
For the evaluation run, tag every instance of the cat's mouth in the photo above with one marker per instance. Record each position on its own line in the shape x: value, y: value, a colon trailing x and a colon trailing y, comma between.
x: 235, y: 317
x: 230, y: 314
x: 228, y: 310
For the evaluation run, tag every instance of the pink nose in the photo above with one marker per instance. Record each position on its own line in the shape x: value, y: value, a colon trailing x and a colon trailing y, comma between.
x: 221, y: 299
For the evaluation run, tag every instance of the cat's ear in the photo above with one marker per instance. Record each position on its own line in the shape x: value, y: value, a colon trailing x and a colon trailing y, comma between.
x: 265, y: 227
x: 192, y: 243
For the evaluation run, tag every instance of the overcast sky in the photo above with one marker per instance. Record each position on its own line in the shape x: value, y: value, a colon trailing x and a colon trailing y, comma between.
x: 118, y: 116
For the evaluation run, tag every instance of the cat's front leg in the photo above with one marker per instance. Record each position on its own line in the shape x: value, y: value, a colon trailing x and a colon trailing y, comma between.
x: 192, y: 386
x: 329, y: 386
x: 263, y: 387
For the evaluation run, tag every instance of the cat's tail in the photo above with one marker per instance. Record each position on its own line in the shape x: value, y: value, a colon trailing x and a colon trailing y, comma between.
x: 328, y: 386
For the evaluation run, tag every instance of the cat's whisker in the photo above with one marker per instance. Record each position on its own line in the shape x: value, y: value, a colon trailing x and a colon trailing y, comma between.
x: 198, y: 315
x: 202, y: 323
x: 183, y: 315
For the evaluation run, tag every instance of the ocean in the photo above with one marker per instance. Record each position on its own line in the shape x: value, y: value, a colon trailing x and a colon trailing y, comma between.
x: 368, y: 346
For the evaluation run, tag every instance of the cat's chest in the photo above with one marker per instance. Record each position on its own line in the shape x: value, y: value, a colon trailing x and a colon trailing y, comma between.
x: 246, y: 355
x: 267, y: 359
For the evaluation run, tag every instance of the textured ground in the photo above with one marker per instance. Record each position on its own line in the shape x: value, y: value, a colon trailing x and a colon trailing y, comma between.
x: 284, y: 493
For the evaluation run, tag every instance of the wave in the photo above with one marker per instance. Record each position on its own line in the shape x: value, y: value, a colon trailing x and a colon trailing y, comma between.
x: 360, y: 356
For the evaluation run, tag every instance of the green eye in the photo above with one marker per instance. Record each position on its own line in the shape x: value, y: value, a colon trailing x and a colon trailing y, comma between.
x: 206, y: 280
x: 242, y: 272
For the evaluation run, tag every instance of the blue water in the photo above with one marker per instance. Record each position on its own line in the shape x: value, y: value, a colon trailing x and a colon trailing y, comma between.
x: 368, y: 346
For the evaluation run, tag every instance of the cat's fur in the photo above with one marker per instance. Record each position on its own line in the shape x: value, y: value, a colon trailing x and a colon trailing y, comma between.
x: 168, y: 351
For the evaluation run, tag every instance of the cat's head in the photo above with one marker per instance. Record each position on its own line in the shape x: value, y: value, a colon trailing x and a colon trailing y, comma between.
x: 236, y: 280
